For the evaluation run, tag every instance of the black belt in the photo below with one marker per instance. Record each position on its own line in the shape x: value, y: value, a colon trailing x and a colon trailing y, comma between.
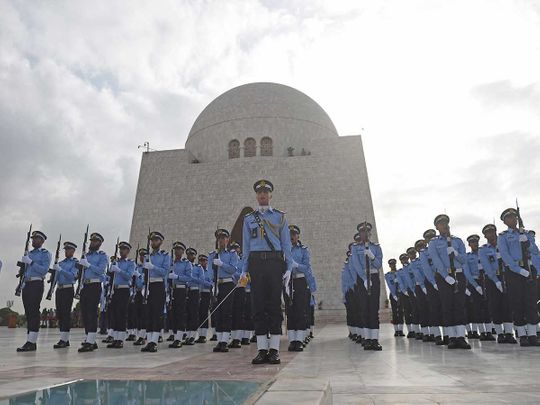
x: 266, y: 255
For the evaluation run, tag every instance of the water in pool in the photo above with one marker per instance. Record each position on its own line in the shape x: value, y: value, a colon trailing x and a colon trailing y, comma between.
x: 108, y: 392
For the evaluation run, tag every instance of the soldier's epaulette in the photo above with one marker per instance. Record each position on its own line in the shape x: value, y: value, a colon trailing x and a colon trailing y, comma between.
x: 374, y: 243
x: 163, y: 252
x: 248, y: 214
x: 42, y: 249
x: 303, y: 246
x: 101, y: 252
x: 281, y: 212
x: 356, y: 243
x: 213, y: 252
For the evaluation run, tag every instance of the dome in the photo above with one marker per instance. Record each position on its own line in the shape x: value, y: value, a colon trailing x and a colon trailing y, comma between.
x: 258, y: 110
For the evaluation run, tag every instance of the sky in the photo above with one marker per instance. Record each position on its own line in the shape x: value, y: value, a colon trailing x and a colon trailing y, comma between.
x: 446, y: 95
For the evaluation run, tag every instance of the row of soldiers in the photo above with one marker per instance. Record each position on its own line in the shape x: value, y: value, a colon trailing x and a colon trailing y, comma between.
x: 442, y: 292
x: 244, y: 294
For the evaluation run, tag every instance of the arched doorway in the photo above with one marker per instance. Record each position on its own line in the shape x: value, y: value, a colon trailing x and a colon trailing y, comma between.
x: 236, y: 232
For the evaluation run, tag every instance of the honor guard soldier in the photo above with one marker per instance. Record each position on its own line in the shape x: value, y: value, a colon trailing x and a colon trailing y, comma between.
x: 123, y: 271
x: 37, y: 262
x: 141, y: 309
x: 354, y: 299
x: 347, y: 284
x: 397, y: 311
x: 477, y: 280
x: 366, y: 260
x: 499, y: 306
x: 94, y: 268
x: 297, y: 312
x: 239, y: 298
x: 157, y: 264
x: 420, y: 292
x: 267, y: 259
x: 407, y: 296
x: 516, y: 246
x: 448, y: 254
x: 66, y: 272
x: 223, y: 263
x: 246, y: 320
x: 206, y: 296
x: 434, y: 302
x: 180, y: 276
x: 194, y: 296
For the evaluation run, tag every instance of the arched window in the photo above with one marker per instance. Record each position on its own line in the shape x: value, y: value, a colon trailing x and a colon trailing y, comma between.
x: 234, y: 149
x: 266, y: 147
x: 250, y: 147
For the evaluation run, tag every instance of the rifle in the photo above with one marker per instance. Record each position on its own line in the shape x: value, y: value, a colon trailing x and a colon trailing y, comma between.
x: 368, y: 264
x: 482, y: 280
x: 21, y: 275
x: 215, y: 270
x: 452, y: 264
x: 80, y: 274
x: 525, y: 255
x: 500, y: 270
x: 53, y: 277
x: 170, y: 283
x: 146, y: 271
x: 110, y: 291
x: 133, y: 291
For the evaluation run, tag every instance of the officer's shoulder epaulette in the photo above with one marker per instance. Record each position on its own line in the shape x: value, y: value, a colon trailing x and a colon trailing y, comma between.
x: 163, y: 252
x: 374, y: 243
x: 303, y: 246
x: 248, y: 214
x: 356, y: 243
x: 42, y: 249
x: 101, y: 252
x: 213, y: 252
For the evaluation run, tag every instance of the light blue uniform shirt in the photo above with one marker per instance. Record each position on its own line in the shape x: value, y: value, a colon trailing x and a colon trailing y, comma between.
x: 206, y: 282
x: 68, y: 272
x: 415, y: 267
x: 124, y: 277
x: 183, y: 269
x: 489, y: 258
x: 357, y: 259
x: 278, y: 233
x: 510, y: 248
x: 405, y: 280
x: 41, y: 260
x: 98, y: 265
x: 197, y: 276
x: 230, y: 263
x: 391, y: 282
x: 473, y: 268
x: 162, y: 262
x: 427, y: 267
x: 438, y: 251
x: 300, y: 254
x: 139, y: 281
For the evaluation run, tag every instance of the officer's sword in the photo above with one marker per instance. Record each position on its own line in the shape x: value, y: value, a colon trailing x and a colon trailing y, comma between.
x: 217, y: 306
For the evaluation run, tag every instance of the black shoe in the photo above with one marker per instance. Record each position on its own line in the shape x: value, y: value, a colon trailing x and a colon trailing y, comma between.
x: 245, y: 342
x: 419, y: 336
x: 350, y: 335
x: 425, y: 338
x: 367, y: 344
x: 131, y: 338
x: 213, y: 338
x: 139, y: 342
x: 446, y: 340
x: 112, y: 345
x: 273, y: 357
x: 253, y: 339
x: 103, y: 332
x: 396, y: 333
x: 439, y: 341
x: 151, y: 347
x: 176, y: 344
x: 235, y: 344
x: 201, y: 339
x: 483, y: 337
x: 375, y: 346
x: 311, y: 335
x: 354, y: 337
x: 509, y: 338
x: 221, y: 347
x: 170, y: 338
x: 359, y: 340
x: 401, y: 334
x: 160, y: 340
x: 190, y: 341
x: 461, y: 343
x: 61, y: 345
x: 27, y: 347
x: 297, y: 346
x: 261, y: 357
x: 86, y: 347
x: 533, y: 341
x: 501, y: 338
x: 108, y: 339
x: 291, y: 347
x: 490, y: 337
x: 431, y: 338
x: 475, y: 335
x: 524, y: 341
x: 411, y: 335
x: 452, y: 344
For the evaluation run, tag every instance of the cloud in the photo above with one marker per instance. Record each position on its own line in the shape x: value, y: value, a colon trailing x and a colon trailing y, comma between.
x: 503, y: 94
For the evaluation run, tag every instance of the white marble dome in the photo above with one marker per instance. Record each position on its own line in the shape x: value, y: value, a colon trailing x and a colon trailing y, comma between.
x: 258, y: 115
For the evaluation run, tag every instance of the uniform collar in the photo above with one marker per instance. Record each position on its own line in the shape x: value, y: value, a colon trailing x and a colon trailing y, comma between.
x: 263, y: 209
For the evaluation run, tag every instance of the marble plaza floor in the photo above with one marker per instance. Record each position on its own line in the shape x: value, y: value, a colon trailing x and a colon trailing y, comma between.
x: 331, y: 369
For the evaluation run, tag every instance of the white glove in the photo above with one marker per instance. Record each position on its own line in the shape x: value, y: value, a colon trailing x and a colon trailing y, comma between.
x: 26, y: 260
x: 467, y: 292
x: 173, y: 276
x: 424, y: 290
x: 499, y: 286
x: 451, y: 250
x: 84, y: 262
x: 523, y: 238
x: 115, y: 269
x: 148, y: 265
x: 217, y: 262
x: 57, y: 267
x: 479, y: 290
x: 406, y: 293
x: 243, y: 275
x: 295, y: 265
x: 523, y: 272
x: 286, y: 278
x: 365, y: 284
x: 450, y: 280
x: 369, y: 254
x: 436, y: 287
x: 395, y: 297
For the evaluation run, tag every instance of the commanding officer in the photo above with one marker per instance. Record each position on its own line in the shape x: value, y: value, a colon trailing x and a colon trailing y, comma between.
x: 448, y: 254
x: 141, y: 309
x: 397, y: 310
x: 94, y: 266
x: 123, y: 271
x: 180, y: 276
x: 366, y: 260
x: 499, y: 306
x: 37, y: 262
x: 223, y: 263
x: 516, y: 246
x: 206, y: 295
x: 194, y: 297
x: 66, y: 272
x: 478, y: 282
x: 297, y: 312
x: 157, y: 264
x: 267, y: 258
x: 420, y: 292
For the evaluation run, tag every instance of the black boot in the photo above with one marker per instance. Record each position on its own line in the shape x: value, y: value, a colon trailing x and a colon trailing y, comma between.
x: 201, y: 339
x: 150, y: 347
x: 170, y: 338
x: 273, y: 357
x: 490, y: 337
x: 108, y: 339
x: 524, y: 341
x: 261, y: 357
x: 213, y: 338
x: 235, y: 344
x: 452, y: 343
x: 439, y: 341
x: 139, y: 342
x: 176, y: 344
x: 86, y: 347
x: 27, y: 347
x: 253, y: 339
x: 291, y: 347
x: 367, y: 344
x: 509, y: 338
x: 190, y: 341
x: 411, y: 335
x: 446, y: 340
x: 61, y: 345
x: 245, y: 342
x: 533, y: 341
x: 375, y: 346
x: 131, y: 338
x: 461, y: 343
x: 298, y: 346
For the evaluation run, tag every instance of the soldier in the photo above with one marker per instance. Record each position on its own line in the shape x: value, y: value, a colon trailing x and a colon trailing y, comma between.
x: 123, y: 270
x: 206, y: 296
x: 366, y: 260
x: 434, y: 302
x: 516, y: 246
x: 194, y: 297
x: 141, y: 309
x: 267, y: 258
x: 498, y: 302
x: 420, y: 293
x: 448, y: 255
x: 223, y: 262
x: 354, y: 299
x: 395, y: 304
x: 407, y: 296
x: 477, y: 281
x: 66, y: 272
x: 94, y: 266
x: 157, y: 265
x: 180, y: 276
x: 347, y: 284
x: 297, y: 312
x: 37, y: 262
x: 239, y: 302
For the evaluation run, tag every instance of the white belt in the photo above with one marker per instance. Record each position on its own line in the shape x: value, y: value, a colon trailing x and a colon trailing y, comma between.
x: 459, y: 270
x: 206, y: 290
x: 299, y: 275
x: 374, y: 271
x: 34, y: 279
x: 180, y: 286
x: 61, y: 286
x: 155, y: 280
x: 92, y: 280
x: 248, y: 290
x: 225, y: 280
x: 121, y: 286
x: 193, y: 288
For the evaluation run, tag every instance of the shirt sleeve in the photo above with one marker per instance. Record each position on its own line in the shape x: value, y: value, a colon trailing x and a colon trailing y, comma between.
x: 505, y: 254
x: 488, y: 267
x: 468, y: 273
x: 437, y: 262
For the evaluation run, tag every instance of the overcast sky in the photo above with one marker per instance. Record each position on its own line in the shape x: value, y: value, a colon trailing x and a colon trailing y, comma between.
x: 445, y: 93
